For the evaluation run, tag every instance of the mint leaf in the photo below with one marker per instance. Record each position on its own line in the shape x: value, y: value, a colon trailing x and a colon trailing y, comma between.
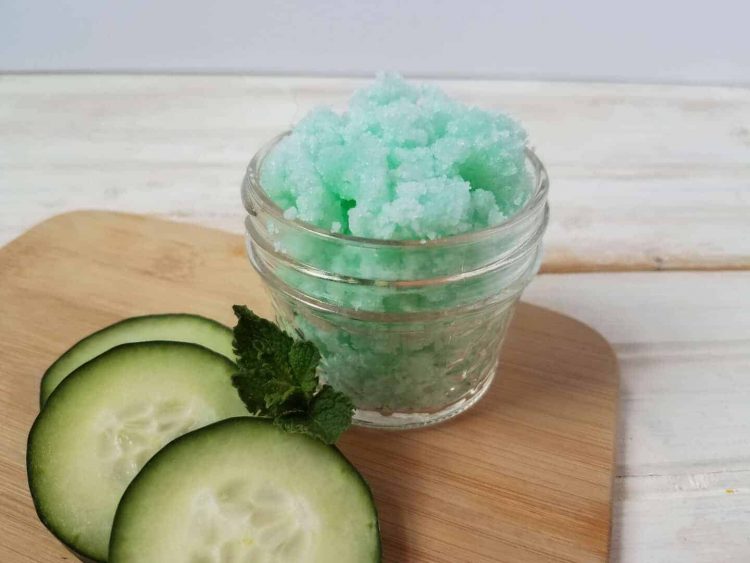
x: 330, y: 414
x: 303, y: 361
x: 277, y: 379
x: 251, y: 388
x: 259, y: 343
x: 296, y: 423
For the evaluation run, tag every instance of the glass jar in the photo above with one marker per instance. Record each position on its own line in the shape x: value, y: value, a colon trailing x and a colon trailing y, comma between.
x: 410, y: 330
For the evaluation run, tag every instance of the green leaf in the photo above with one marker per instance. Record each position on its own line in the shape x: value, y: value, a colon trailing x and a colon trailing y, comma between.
x: 259, y: 341
x: 250, y: 387
x: 303, y: 360
x: 330, y: 414
x: 295, y: 423
x: 277, y: 379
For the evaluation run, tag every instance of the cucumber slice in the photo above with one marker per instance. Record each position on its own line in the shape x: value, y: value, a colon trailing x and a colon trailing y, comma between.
x: 106, y: 420
x: 243, y: 490
x: 176, y: 327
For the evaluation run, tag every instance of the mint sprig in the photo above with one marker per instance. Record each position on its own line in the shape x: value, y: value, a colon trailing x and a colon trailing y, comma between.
x: 277, y: 379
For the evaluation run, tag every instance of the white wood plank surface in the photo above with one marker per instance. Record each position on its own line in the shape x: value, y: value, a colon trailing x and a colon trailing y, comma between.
x: 682, y: 492
x: 643, y: 177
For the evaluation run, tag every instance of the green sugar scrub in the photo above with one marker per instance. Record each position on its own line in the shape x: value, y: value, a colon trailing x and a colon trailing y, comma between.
x: 398, y: 237
x: 405, y: 162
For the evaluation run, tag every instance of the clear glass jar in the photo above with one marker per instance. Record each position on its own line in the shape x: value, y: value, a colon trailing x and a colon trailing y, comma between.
x: 410, y: 330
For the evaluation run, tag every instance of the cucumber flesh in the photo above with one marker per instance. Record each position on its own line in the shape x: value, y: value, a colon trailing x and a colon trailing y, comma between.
x: 107, y: 419
x: 243, y: 490
x: 173, y: 327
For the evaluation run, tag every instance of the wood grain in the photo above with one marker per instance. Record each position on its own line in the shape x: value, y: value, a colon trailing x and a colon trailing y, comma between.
x: 643, y: 177
x: 524, y: 476
x: 682, y: 339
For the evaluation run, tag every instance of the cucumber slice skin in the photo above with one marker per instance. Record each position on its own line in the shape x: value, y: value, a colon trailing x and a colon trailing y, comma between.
x: 213, y: 335
x: 80, y: 557
x: 59, y: 400
x: 136, y: 497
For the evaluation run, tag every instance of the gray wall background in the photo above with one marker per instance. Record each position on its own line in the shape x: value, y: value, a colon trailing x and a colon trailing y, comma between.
x: 634, y: 40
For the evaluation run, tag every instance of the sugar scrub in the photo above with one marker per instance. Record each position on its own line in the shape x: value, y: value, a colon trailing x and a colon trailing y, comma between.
x: 398, y: 237
x: 405, y: 162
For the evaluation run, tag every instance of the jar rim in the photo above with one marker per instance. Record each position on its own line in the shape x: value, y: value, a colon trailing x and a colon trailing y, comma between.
x: 406, y: 317
x: 253, y: 194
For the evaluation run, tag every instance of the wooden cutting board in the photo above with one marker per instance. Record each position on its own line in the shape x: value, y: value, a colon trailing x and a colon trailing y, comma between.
x: 526, y: 475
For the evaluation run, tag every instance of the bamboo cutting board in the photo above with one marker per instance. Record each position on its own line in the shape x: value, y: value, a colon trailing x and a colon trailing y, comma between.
x: 526, y: 475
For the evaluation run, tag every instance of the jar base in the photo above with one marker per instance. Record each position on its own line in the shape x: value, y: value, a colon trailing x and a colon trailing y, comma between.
x: 406, y: 421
